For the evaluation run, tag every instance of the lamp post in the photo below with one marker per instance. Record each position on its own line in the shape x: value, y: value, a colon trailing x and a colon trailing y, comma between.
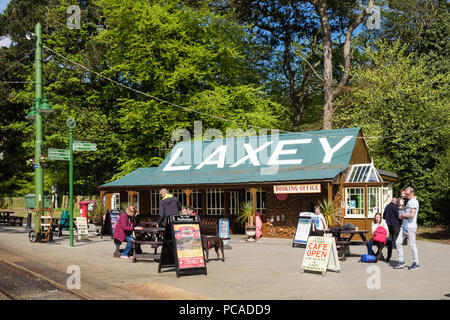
x: 39, y: 109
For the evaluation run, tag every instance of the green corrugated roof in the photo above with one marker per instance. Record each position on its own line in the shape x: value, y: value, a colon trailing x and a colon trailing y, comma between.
x: 315, y: 155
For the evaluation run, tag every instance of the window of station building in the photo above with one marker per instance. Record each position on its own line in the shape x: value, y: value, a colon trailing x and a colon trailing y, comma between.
x: 363, y: 173
x: 196, y: 201
x: 354, y: 202
x: 115, y: 201
x: 260, y: 199
x: 135, y: 201
x: 374, y: 201
x: 233, y: 202
x: 154, y: 201
x: 181, y: 196
x: 215, y: 202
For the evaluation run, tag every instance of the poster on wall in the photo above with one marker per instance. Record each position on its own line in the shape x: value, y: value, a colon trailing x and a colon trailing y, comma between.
x: 303, y: 229
x: 320, y: 255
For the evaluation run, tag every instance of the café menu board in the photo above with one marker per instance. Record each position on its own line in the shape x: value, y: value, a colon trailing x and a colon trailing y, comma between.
x: 182, y: 246
x: 188, y: 246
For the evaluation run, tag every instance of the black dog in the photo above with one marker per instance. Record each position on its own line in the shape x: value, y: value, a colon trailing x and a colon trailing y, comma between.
x: 215, y: 242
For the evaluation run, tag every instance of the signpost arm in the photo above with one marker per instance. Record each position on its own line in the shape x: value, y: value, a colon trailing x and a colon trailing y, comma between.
x: 71, y: 185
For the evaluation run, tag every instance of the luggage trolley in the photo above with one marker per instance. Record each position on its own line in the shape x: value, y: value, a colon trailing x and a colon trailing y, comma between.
x: 44, y: 226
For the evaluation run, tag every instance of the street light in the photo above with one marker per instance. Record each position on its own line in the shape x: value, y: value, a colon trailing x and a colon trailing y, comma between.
x: 44, y: 107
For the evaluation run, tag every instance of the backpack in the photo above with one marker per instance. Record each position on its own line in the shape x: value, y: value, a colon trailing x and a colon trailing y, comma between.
x: 368, y: 258
x: 380, y: 235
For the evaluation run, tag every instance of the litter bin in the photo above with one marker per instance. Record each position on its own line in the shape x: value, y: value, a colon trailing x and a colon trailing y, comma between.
x: 84, y: 209
x: 65, y: 220
x: 29, y: 201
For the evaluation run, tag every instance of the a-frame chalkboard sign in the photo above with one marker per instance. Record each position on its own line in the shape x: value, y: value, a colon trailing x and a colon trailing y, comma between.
x: 182, y: 246
x: 109, y: 224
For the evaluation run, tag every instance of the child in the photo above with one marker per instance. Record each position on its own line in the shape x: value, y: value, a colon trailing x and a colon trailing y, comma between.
x: 319, y: 224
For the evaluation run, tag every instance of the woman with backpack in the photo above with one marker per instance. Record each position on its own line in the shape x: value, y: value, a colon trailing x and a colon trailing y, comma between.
x: 380, y: 235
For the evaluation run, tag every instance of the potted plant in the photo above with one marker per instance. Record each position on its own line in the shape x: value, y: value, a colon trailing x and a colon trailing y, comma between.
x: 45, y: 162
x: 96, y: 217
x: 246, y: 215
x: 330, y: 212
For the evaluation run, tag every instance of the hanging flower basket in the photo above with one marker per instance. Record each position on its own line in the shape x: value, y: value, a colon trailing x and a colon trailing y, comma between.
x: 45, y: 162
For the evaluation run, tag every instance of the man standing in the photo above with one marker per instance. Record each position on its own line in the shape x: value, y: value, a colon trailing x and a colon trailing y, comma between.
x: 391, y: 217
x: 168, y: 206
x: 409, y: 226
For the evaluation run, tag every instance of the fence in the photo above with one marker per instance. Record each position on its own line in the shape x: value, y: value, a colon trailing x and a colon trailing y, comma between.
x: 63, y: 201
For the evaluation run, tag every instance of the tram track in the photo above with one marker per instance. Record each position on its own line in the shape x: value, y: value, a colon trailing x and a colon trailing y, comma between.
x: 20, y: 283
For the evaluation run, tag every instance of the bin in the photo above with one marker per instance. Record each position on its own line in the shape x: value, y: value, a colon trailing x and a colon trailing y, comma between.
x: 65, y: 221
x: 29, y: 201
x: 84, y: 209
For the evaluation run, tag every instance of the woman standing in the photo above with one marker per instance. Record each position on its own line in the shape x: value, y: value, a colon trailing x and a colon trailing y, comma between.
x: 124, y: 229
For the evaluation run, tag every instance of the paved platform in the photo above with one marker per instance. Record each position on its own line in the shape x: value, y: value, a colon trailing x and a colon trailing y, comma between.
x: 266, y: 269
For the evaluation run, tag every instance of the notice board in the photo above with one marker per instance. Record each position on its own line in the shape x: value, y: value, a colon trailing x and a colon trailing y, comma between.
x: 82, y: 229
x: 113, y: 217
x: 320, y: 255
x: 303, y: 229
x: 224, y: 232
x: 182, y: 246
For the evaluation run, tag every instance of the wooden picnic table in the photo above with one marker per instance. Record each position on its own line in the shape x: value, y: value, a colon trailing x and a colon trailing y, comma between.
x: 8, y: 219
x: 152, y: 236
x: 343, y: 241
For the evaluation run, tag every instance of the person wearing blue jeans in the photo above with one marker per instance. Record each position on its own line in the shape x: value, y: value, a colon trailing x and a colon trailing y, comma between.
x: 124, y: 229
x: 378, y: 221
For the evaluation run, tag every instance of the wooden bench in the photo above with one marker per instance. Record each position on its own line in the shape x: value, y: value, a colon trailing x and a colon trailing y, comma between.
x: 5, y: 217
x: 14, y: 219
x: 209, y: 229
x: 137, y: 251
x: 344, y: 247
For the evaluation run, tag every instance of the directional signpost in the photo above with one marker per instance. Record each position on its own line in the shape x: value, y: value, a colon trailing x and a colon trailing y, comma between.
x: 84, y: 146
x: 59, y: 154
x: 67, y: 155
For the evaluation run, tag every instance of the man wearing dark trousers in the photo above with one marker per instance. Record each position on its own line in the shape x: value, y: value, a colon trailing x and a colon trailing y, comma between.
x: 392, y: 220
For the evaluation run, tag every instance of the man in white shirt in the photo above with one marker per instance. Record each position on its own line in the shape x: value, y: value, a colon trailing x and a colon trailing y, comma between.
x: 409, y: 226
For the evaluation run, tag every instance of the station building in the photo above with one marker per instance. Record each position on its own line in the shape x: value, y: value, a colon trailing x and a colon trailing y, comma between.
x: 282, y: 175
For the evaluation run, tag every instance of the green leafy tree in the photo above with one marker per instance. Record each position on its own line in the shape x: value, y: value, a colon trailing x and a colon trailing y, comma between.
x: 394, y: 97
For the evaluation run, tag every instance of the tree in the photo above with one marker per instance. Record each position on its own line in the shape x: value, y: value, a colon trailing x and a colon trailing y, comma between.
x: 403, y: 111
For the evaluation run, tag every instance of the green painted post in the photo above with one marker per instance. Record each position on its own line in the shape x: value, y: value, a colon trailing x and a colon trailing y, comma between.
x: 71, y: 185
x: 71, y: 124
x: 38, y: 144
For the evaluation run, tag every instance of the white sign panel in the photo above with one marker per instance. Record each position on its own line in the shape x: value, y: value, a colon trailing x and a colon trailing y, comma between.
x: 321, y: 255
x: 297, y: 188
x: 82, y: 228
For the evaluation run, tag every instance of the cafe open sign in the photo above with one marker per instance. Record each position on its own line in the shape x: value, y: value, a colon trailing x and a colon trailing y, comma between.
x: 321, y: 255
x: 297, y: 188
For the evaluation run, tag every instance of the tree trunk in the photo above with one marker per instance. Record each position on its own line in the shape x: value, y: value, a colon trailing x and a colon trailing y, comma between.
x: 327, y: 65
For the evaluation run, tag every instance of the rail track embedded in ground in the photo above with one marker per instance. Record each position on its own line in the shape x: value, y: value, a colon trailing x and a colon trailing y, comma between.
x: 19, y: 283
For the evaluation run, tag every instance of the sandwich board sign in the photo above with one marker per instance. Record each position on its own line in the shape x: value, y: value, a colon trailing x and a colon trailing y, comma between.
x: 224, y: 232
x: 182, y: 246
x: 303, y: 229
x: 82, y: 229
x: 321, y: 255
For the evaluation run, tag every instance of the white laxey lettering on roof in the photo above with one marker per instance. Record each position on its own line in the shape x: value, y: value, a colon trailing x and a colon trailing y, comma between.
x: 217, y: 157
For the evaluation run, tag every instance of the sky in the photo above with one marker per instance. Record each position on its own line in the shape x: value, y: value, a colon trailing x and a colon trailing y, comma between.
x: 3, y: 4
x: 4, y: 42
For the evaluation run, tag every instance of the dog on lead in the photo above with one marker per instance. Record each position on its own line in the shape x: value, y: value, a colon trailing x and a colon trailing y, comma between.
x: 215, y: 242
